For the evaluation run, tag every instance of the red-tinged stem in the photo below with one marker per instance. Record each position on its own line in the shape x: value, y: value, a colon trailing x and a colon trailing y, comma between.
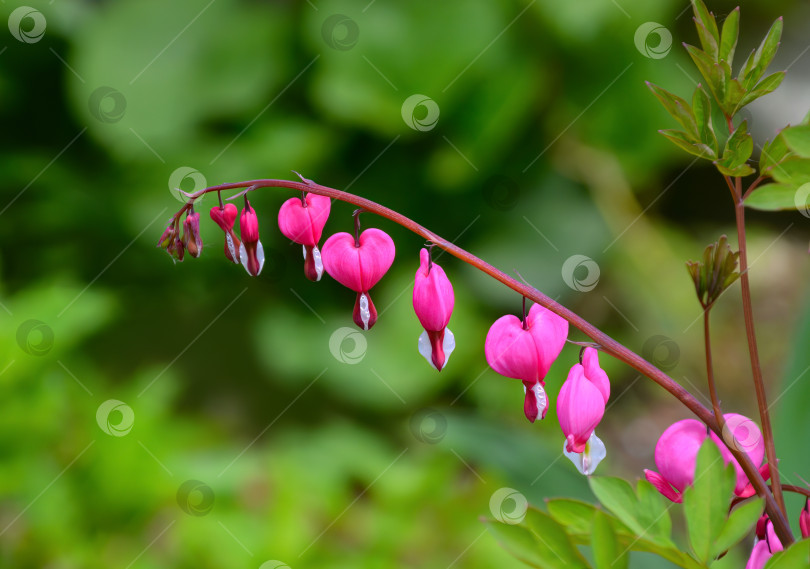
x: 752, y: 187
x: 718, y: 413
x: 785, y: 487
x: 753, y: 351
x: 607, y: 344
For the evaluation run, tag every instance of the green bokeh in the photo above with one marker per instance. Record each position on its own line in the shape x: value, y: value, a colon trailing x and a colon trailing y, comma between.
x: 546, y: 147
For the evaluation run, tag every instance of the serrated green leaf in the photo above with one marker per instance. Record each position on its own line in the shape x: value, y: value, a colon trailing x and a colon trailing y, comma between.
x: 728, y: 38
x: 518, y: 541
x: 706, y: 502
x: 576, y: 516
x: 703, y: 16
x: 797, y: 138
x: 764, y: 87
x: 795, y: 557
x: 677, y: 107
x: 773, y: 152
x: 738, y: 524
x: 763, y: 56
x: 554, y: 544
x: 607, y: 551
x: 685, y: 142
x: 774, y: 197
x: 795, y: 171
x: 702, y: 110
x: 712, y: 73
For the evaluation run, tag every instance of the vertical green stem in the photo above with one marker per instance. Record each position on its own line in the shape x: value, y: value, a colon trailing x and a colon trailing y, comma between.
x: 718, y: 413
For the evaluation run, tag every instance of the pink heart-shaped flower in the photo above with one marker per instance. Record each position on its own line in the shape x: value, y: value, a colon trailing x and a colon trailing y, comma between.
x: 304, y: 225
x: 358, y: 268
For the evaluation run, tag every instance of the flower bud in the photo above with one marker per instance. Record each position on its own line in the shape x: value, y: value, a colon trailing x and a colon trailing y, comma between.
x: 433, y: 301
x: 251, y: 252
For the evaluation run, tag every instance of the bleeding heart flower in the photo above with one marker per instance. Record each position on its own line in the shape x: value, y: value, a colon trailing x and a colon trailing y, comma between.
x: 301, y: 220
x: 359, y: 265
x: 525, y: 351
x: 251, y: 252
x: 676, y: 454
x: 766, y: 545
x: 225, y: 216
x: 580, y: 407
x: 804, y: 519
x: 191, y: 234
x: 433, y: 301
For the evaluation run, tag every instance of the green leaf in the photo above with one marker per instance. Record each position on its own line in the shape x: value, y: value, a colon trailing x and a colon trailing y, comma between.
x: 706, y: 502
x: 741, y: 171
x: 738, y: 524
x: 688, y: 143
x: 764, y: 87
x: 574, y: 515
x: 728, y: 38
x: 677, y: 107
x: 646, y: 515
x: 774, y: 197
x: 739, y: 147
x: 796, y: 557
x: 795, y: 171
x: 518, y: 541
x: 773, y: 152
x: 708, y: 41
x: 702, y: 111
x: 618, y: 497
x: 712, y: 73
x: 608, y: 553
x: 759, y: 61
x: 797, y: 138
x: 554, y: 545
x: 706, y: 18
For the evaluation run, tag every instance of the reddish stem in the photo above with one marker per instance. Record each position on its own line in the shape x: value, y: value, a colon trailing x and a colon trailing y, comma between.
x: 607, y: 344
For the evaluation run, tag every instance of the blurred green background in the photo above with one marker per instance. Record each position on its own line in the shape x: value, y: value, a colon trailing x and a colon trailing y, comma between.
x: 159, y: 415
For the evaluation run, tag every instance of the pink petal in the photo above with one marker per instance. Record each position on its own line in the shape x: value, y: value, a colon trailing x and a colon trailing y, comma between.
x: 549, y: 332
x: 759, y: 556
x: 744, y: 434
x: 510, y: 349
x: 676, y: 452
x: 594, y: 373
x: 304, y: 225
x: 580, y: 407
x: 358, y: 268
x: 663, y: 486
x: 433, y: 297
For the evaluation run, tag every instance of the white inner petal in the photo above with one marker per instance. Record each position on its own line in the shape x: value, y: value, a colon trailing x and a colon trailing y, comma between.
x: 365, y: 315
x: 316, y: 254
x: 541, y: 398
x: 243, y: 256
x: 260, y: 256
x: 449, y: 344
x: 425, y: 348
x: 231, y: 248
x: 587, y: 460
x: 304, y: 248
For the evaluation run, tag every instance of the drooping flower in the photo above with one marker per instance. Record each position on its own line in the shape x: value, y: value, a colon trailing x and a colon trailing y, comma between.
x: 525, y: 351
x: 433, y: 301
x: 251, y: 252
x: 191, y: 233
x: 225, y: 216
x: 301, y: 220
x: 580, y: 407
x: 359, y: 264
x: 676, y: 454
x: 804, y: 519
x: 766, y: 545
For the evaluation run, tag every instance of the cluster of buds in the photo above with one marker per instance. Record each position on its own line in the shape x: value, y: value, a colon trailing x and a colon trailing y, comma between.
x: 176, y: 242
